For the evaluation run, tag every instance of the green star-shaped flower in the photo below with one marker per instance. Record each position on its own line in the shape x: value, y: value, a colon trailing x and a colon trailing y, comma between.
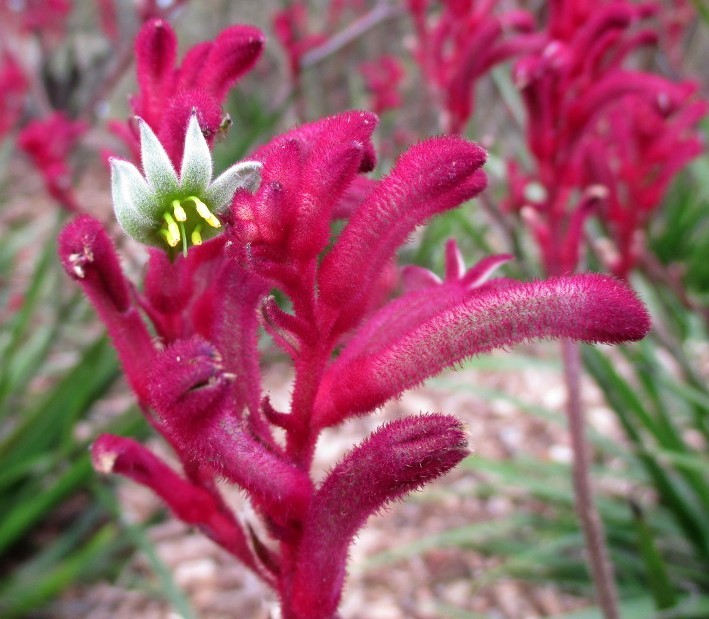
x: 165, y: 211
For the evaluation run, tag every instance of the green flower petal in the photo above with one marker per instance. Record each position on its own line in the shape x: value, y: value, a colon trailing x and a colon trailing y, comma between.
x: 246, y: 174
x: 134, y: 202
x: 159, y: 172
x: 196, y: 169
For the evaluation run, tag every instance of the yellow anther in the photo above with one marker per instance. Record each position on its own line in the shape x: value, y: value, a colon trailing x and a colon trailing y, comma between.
x: 196, y: 236
x: 172, y: 235
x: 171, y: 241
x: 204, y: 212
x: 179, y: 211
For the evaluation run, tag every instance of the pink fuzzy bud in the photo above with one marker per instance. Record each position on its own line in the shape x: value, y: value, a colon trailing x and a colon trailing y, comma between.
x: 431, y: 177
x: 398, y: 458
x: 88, y: 256
x: 156, y: 54
x: 235, y: 51
x: 589, y: 307
x: 191, y: 503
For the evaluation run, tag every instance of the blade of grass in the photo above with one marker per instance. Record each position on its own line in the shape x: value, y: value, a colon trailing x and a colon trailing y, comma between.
x: 169, y: 589
x: 617, y: 392
x: 661, y: 587
x: 55, y: 415
x: 35, y: 594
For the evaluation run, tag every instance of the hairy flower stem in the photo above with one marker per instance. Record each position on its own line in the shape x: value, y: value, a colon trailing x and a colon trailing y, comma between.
x: 601, y: 568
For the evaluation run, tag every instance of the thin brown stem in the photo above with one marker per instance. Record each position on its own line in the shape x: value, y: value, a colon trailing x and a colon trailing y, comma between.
x: 380, y: 12
x: 591, y: 524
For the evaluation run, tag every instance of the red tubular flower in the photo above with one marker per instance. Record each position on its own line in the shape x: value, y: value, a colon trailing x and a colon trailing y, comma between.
x: 378, y: 364
x: 381, y: 78
x: 48, y: 143
x: 88, y: 256
x: 188, y: 501
x: 13, y: 85
x: 432, y: 177
x: 596, y: 130
x: 398, y: 458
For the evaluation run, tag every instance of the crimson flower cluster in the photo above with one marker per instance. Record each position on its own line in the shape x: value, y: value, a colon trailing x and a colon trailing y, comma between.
x: 382, y: 78
x: 604, y: 137
x: 461, y: 43
x: 358, y: 331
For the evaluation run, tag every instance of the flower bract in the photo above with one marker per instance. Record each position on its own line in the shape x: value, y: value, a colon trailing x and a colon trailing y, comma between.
x: 171, y: 211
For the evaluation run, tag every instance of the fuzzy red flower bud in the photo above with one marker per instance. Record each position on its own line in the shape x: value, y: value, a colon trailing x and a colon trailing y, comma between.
x: 591, y: 308
x: 398, y: 458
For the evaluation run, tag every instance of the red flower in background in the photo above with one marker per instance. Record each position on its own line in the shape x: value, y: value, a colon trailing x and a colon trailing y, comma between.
x: 48, y: 143
x: 382, y: 78
x: 463, y: 43
x: 13, y: 86
x: 292, y: 30
x: 36, y: 16
x: 602, y: 136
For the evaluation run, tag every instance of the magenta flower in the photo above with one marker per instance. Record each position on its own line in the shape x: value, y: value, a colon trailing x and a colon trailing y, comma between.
x: 461, y: 44
x: 188, y: 344
x: 382, y: 78
x: 605, y: 138
x: 48, y: 143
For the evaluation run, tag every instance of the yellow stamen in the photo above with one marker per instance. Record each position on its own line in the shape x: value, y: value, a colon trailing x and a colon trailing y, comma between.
x: 196, y: 236
x: 173, y: 232
x: 172, y: 242
x: 204, y: 212
x: 179, y: 211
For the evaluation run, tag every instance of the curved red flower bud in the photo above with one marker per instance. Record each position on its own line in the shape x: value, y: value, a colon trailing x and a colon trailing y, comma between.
x: 431, y: 177
x: 398, y: 458
x: 89, y: 257
x: 192, y: 504
x: 589, y: 307
x: 234, y: 52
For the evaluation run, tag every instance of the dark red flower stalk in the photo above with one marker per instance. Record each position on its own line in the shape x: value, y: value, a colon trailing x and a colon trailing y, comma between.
x: 462, y: 44
x: 48, y: 143
x: 188, y: 338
